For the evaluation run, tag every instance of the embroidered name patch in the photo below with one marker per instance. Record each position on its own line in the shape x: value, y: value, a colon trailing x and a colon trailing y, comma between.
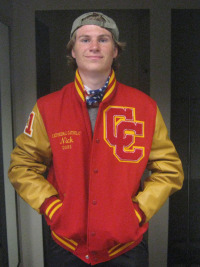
x: 66, y: 138
x: 121, y: 130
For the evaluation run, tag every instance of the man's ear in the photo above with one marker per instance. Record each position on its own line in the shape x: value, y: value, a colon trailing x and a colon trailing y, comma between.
x: 73, y: 53
x: 115, y: 52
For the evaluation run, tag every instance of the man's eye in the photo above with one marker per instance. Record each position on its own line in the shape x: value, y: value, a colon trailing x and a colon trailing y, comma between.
x: 103, y: 40
x: 84, y: 40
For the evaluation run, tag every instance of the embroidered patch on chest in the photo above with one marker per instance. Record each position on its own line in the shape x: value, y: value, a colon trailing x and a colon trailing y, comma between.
x: 66, y: 139
x: 121, y: 130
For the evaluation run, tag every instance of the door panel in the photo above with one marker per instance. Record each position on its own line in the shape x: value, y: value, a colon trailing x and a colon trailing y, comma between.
x: 184, y: 214
x: 8, y: 225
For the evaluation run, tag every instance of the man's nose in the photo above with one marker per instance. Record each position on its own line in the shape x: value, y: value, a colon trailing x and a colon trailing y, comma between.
x: 94, y: 45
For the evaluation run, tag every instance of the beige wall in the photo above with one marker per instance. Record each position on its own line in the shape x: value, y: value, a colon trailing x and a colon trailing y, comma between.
x: 24, y: 97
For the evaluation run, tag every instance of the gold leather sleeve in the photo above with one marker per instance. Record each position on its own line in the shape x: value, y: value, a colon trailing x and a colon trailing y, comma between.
x: 166, y: 172
x: 30, y: 160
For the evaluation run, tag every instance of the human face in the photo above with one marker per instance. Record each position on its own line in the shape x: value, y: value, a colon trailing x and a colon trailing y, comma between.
x: 94, y: 50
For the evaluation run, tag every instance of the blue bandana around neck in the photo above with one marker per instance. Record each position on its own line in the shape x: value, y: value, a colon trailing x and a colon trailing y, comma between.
x: 93, y: 97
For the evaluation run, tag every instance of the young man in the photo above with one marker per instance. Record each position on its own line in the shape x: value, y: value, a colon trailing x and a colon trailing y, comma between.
x: 96, y: 137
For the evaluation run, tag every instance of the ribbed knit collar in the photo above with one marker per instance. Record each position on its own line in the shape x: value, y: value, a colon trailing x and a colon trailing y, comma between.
x: 80, y: 87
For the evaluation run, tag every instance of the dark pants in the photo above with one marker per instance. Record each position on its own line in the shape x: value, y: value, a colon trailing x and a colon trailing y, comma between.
x: 137, y: 257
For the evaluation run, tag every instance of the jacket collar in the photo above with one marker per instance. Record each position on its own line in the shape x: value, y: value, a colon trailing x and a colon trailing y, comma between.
x: 80, y: 88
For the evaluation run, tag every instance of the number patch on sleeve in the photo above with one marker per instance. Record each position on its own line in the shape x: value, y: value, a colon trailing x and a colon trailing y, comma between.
x: 29, y: 126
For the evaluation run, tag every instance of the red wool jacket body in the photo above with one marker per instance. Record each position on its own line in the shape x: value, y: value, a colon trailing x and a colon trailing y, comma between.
x: 92, y: 198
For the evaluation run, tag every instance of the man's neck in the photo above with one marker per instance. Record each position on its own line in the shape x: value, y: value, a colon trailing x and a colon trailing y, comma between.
x: 94, y: 80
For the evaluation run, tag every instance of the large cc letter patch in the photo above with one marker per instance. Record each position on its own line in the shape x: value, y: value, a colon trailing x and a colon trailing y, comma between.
x: 121, y: 130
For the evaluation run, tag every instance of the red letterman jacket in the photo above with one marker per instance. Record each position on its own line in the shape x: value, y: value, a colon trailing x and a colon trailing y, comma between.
x: 92, y: 198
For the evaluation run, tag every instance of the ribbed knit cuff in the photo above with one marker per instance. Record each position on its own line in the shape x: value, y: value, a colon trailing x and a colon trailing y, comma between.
x: 50, y: 206
x: 139, y: 213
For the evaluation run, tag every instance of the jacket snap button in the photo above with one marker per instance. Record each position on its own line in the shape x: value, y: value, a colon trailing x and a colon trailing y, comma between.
x: 96, y: 170
x: 93, y: 234
x: 97, y: 141
x: 94, y: 202
x: 87, y: 257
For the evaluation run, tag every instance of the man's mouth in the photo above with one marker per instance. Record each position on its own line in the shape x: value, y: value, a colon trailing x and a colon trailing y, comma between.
x: 94, y: 57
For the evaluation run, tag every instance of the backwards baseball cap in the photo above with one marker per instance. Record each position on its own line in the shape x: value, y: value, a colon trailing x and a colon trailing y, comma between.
x: 96, y: 18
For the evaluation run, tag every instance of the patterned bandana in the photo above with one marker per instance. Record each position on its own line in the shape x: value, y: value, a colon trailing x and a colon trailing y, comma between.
x: 93, y: 97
